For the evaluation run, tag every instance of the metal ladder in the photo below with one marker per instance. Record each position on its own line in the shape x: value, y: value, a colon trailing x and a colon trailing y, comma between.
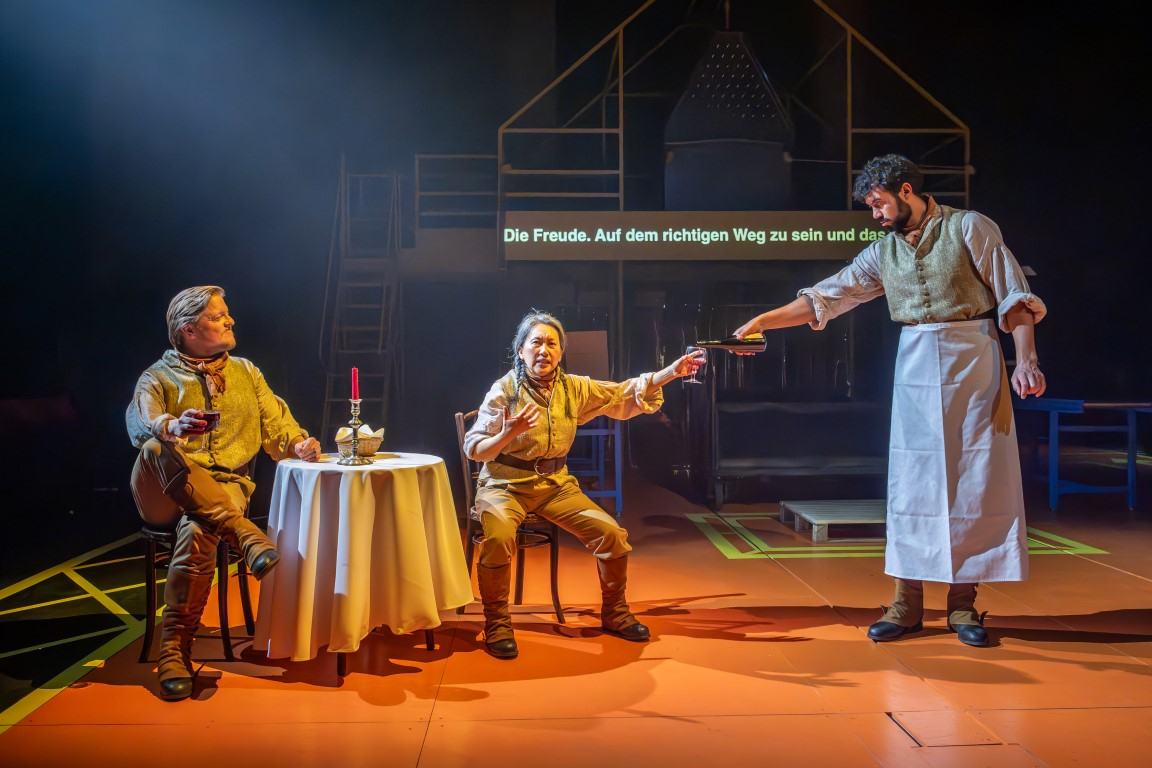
x: 362, y: 310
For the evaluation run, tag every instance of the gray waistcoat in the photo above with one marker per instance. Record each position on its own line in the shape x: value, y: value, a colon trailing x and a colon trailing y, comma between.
x: 937, y: 282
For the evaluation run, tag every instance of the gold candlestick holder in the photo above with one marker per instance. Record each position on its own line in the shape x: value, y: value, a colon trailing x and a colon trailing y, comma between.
x: 355, y: 459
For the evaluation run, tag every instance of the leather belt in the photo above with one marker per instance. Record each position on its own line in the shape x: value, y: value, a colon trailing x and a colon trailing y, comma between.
x: 539, y: 466
x: 991, y: 314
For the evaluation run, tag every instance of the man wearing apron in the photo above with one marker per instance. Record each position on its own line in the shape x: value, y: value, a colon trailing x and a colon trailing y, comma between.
x: 955, y: 502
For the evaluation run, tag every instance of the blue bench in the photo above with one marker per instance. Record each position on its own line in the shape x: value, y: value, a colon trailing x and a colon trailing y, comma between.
x: 1056, y: 408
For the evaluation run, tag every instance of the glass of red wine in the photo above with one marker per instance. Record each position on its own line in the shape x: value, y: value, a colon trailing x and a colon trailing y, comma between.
x: 201, y: 437
x: 701, y: 354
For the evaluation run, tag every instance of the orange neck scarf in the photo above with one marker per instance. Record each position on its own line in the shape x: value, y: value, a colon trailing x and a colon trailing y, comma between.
x: 213, y: 370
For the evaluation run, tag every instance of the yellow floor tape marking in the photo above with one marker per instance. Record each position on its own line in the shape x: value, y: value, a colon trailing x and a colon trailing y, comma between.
x: 124, y: 637
x: 42, y: 695
x: 33, y: 580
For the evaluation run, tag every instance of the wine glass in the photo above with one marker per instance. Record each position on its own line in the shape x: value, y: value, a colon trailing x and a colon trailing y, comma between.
x: 201, y: 437
x: 701, y: 354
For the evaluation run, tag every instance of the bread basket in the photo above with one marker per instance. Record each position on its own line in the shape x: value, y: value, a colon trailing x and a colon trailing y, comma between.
x: 368, y: 443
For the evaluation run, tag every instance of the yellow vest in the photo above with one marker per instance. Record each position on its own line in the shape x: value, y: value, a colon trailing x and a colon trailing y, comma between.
x: 251, y: 415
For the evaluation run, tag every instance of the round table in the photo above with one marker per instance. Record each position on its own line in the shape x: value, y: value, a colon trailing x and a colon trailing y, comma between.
x: 361, y: 547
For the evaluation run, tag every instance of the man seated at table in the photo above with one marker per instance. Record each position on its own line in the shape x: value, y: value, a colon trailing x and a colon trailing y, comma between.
x: 202, y: 491
x: 522, y: 434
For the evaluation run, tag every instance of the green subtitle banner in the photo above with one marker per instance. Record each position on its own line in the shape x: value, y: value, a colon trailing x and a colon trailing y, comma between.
x: 686, y: 235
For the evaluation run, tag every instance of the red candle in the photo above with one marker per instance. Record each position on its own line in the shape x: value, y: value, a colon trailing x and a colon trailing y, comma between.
x: 355, y: 383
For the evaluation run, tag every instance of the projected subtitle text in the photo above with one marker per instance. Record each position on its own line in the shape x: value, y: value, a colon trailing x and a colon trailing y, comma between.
x: 695, y: 235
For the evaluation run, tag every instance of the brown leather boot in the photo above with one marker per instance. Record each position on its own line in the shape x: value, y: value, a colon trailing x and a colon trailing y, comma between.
x: 201, y: 496
x: 906, y: 614
x: 962, y: 616
x: 185, y: 595
x: 615, y: 616
x: 498, y: 637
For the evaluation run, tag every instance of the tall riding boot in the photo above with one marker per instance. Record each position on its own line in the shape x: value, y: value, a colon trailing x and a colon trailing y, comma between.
x: 906, y: 614
x: 962, y: 617
x: 498, y: 637
x: 208, y: 501
x: 615, y: 616
x: 185, y: 595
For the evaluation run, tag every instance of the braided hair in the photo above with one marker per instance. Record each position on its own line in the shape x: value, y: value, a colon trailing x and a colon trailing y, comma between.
x: 519, y: 374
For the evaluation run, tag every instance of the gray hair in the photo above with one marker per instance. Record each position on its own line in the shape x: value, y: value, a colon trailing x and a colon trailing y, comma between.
x: 520, y: 376
x: 186, y: 307
x: 530, y: 321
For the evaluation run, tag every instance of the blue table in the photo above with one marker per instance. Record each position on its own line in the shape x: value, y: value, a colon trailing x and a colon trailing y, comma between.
x: 1057, y: 407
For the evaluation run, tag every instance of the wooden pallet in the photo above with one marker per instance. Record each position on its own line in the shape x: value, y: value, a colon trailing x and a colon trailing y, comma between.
x: 820, y: 516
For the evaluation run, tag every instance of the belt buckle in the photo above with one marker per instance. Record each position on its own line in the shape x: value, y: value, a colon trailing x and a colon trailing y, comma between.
x: 536, y: 466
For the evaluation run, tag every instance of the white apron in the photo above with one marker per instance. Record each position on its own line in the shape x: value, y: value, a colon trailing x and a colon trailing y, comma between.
x: 955, y: 502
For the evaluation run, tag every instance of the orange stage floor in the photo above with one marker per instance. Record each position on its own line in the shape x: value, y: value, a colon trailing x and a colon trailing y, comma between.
x: 759, y: 656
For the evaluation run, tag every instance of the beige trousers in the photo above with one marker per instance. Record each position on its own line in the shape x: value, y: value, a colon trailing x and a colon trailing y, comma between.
x: 556, y: 498
x: 222, y: 497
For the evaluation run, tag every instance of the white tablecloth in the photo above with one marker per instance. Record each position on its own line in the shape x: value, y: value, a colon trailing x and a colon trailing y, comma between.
x: 361, y: 547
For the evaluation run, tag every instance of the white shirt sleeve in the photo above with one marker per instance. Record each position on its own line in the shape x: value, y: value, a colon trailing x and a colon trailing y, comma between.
x: 999, y: 268
x: 847, y: 289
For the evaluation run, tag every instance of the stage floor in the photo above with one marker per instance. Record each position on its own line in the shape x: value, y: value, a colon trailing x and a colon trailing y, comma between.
x: 759, y: 655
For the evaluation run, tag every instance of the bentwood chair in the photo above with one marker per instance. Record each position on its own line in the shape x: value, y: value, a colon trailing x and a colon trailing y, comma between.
x: 158, y: 553
x: 533, y: 532
x: 158, y: 542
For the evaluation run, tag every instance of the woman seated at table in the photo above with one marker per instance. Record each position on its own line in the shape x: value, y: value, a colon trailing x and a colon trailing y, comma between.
x: 522, y: 434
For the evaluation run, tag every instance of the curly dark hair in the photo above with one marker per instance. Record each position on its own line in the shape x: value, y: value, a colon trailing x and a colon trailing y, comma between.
x: 888, y: 172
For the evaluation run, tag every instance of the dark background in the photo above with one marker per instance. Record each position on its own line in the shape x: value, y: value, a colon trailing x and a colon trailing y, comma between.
x: 149, y: 145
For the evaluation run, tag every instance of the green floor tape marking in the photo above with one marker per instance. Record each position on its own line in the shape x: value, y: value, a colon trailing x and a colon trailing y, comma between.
x: 1066, y: 546
x: 731, y: 536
